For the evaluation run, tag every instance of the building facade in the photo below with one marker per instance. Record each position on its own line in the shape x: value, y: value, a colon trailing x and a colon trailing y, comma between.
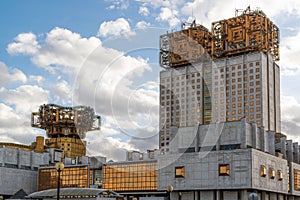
x: 220, y: 132
x: 19, y: 168
x: 136, y: 178
x: 32, y: 167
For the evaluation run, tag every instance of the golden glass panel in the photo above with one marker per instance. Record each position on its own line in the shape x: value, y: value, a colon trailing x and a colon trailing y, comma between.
x: 179, y: 171
x: 279, y: 174
x: 263, y: 171
x: 130, y: 176
x: 224, y: 170
x: 70, y: 177
x: 297, y: 179
x: 272, y: 173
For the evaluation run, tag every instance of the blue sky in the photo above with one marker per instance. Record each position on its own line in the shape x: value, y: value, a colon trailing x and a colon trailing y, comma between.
x: 105, y: 54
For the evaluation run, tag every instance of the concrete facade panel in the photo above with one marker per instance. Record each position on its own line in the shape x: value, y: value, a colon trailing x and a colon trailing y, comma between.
x: 16, y: 179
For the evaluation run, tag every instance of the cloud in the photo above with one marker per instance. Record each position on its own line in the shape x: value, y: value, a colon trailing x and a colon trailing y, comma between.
x: 277, y: 7
x: 119, y: 4
x: 93, y: 75
x: 162, y: 3
x: 20, y: 134
x: 290, y: 51
x: 62, y: 92
x: 168, y: 15
x: 8, y: 118
x: 112, y: 148
x: 25, y: 44
x: 144, y: 11
x: 62, y: 49
x: 25, y: 98
x: 65, y: 50
x: 142, y: 24
x: 117, y: 28
x: 36, y: 79
x: 206, y: 12
x: 290, y: 111
x: 9, y: 75
x: 15, y: 112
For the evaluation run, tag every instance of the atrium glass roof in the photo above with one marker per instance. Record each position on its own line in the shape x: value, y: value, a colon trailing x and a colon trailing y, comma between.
x: 73, y: 192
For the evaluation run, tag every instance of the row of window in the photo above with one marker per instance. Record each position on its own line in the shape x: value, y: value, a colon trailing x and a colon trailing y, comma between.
x: 272, y: 173
x: 130, y: 177
x: 70, y: 177
x: 239, y: 73
x: 224, y: 170
x: 234, y: 67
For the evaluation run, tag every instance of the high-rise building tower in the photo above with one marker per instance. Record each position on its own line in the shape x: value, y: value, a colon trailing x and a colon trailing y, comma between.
x: 66, y: 127
x: 220, y: 134
x: 220, y: 76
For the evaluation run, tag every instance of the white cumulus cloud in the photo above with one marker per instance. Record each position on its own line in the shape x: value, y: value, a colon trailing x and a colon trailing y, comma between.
x: 290, y: 51
x: 93, y: 75
x: 9, y: 75
x: 25, y: 44
x: 168, y: 15
x: 142, y: 24
x: 143, y: 10
x: 25, y: 98
x: 118, y: 28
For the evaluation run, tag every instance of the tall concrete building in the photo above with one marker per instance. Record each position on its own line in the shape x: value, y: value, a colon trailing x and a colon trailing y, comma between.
x: 204, y: 84
x: 220, y: 134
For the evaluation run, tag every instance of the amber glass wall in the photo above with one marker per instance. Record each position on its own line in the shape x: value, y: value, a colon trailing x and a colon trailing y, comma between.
x: 69, y: 177
x: 130, y: 176
x: 297, y: 179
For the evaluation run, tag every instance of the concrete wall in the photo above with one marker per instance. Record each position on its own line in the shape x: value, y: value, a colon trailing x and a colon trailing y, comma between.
x: 293, y: 166
x: 19, y: 158
x: 267, y: 183
x: 18, y: 170
x: 202, y: 170
x: 234, y: 135
x: 12, y: 180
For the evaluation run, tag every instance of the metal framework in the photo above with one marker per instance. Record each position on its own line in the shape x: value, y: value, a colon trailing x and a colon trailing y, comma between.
x: 248, y: 31
x: 190, y: 45
x: 66, y: 126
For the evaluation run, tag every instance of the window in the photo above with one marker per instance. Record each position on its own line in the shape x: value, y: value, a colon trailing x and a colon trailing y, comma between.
x: 131, y: 176
x: 297, y: 179
x: 224, y: 170
x: 70, y: 177
x: 263, y: 171
x: 279, y: 174
x: 272, y: 173
x: 179, y: 172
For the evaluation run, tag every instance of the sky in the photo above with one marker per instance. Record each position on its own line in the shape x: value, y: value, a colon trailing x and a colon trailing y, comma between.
x: 105, y: 54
